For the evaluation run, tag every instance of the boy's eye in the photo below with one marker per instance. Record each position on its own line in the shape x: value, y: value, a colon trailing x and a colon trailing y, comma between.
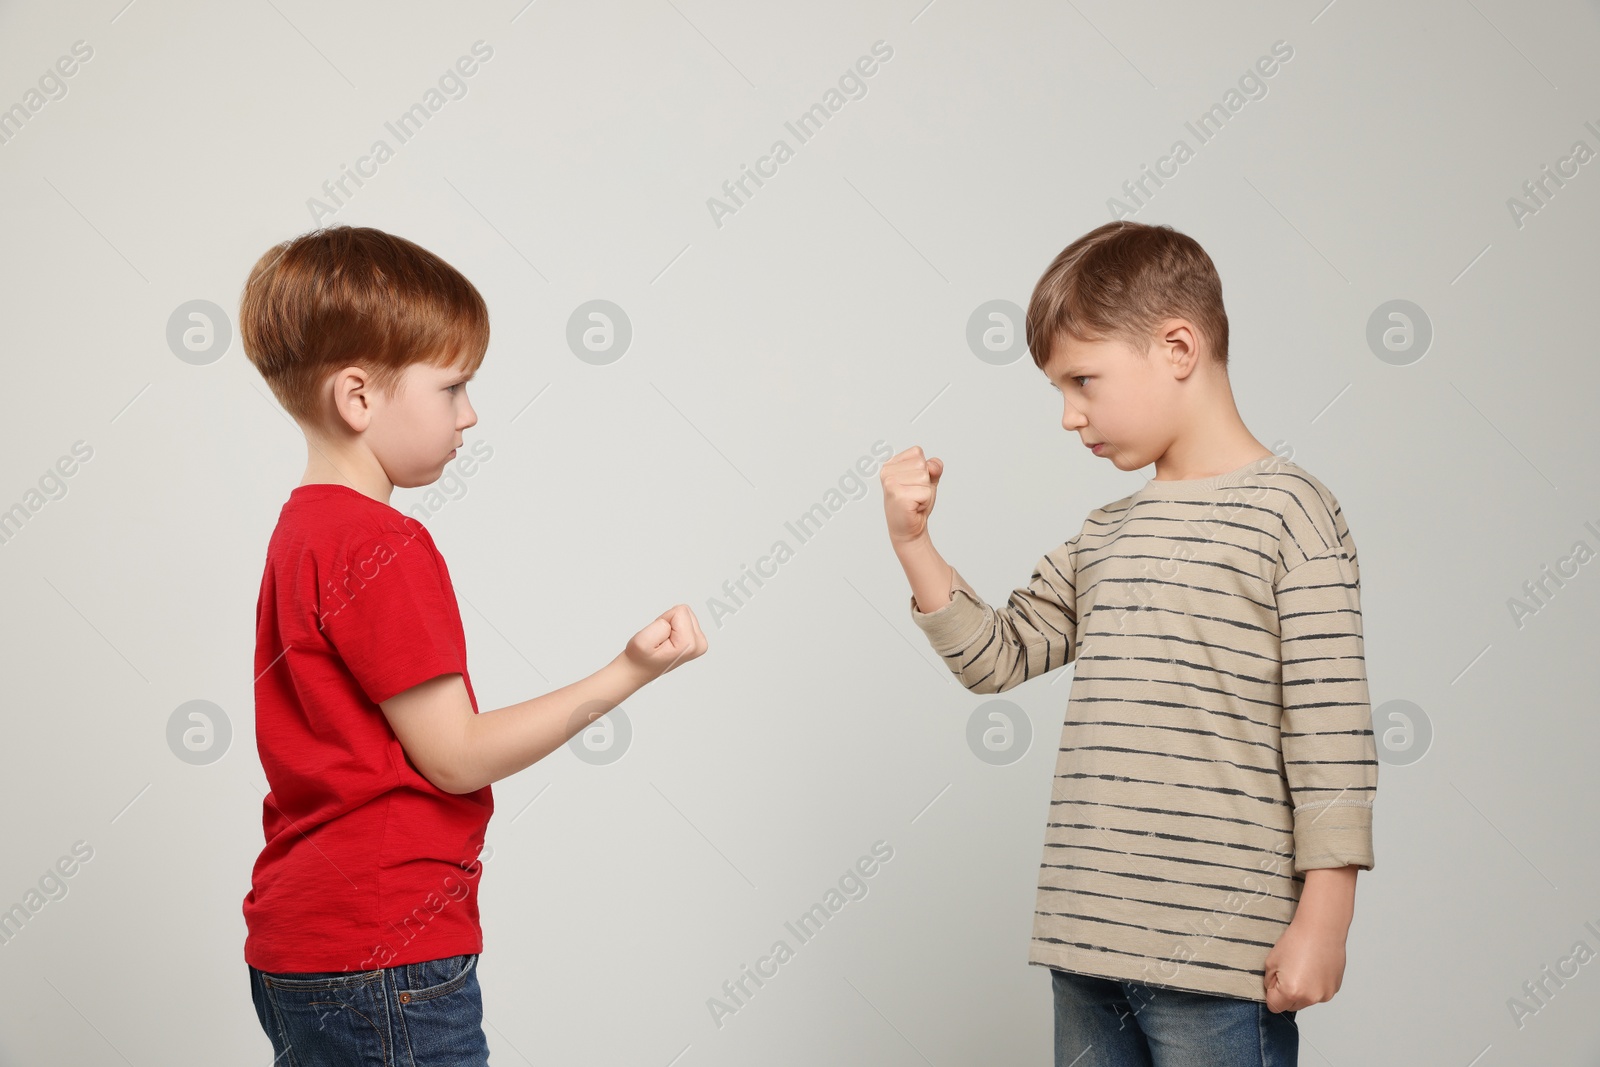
x: 1081, y: 379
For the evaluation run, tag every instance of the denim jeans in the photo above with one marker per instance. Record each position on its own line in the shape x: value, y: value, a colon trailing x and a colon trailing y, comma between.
x: 1105, y: 1022
x: 414, y: 1015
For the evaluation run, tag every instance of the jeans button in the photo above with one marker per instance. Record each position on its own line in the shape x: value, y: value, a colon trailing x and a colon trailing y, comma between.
x: 405, y: 998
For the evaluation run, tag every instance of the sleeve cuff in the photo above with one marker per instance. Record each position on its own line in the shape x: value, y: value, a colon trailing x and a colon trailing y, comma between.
x: 1334, y: 835
x: 952, y: 626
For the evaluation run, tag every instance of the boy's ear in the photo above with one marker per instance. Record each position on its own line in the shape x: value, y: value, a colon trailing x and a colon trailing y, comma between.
x: 352, y: 392
x: 1179, y: 346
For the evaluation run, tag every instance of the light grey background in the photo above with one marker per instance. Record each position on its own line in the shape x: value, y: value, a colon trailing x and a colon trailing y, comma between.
x: 768, y: 355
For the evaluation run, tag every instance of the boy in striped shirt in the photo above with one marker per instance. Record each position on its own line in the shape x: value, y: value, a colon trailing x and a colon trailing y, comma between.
x: 1213, y: 792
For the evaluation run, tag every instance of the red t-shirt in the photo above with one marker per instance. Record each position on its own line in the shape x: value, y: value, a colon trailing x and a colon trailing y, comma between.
x: 367, y: 864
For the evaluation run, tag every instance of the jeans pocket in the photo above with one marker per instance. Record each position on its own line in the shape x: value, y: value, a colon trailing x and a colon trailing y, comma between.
x: 325, y: 1019
x: 440, y: 1019
x: 311, y: 981
x: 432, y: 979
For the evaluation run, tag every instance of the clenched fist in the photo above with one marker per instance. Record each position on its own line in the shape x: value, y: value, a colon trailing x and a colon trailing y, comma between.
x: 910, y: 484
x: 674, y: 638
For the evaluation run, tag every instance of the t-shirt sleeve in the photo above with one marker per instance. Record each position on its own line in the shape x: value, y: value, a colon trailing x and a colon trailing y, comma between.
x: 1329, y: 753
x: 387, y: 615
x: 992, y: 649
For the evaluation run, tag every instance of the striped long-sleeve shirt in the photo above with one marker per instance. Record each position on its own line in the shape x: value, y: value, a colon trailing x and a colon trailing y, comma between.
x: 1218, y: 737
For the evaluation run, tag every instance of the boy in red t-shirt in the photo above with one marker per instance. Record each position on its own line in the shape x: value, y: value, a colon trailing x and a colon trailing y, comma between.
x: 363, y: 908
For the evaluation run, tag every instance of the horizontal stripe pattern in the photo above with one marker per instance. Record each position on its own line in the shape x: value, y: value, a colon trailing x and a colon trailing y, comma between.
x: 1218, y: 737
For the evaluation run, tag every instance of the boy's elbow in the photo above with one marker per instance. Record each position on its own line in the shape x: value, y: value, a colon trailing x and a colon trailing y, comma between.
x: 985, y: 685
x: 439, y: 774
x: 436, y: 728
x: 459, y: 788
x: 456, y: 775
x: 449, y: 782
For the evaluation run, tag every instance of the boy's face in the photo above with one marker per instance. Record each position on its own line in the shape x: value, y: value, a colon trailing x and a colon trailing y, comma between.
x: 415, y: 432
x: 1115, y: 397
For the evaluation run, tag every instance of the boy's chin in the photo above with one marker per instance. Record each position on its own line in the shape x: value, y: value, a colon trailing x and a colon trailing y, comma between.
x: 417, y: 481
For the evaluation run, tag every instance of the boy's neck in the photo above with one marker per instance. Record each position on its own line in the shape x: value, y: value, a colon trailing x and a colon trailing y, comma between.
x: 328, y: 465
x: 1173, y: 466
x: 1213, y: 441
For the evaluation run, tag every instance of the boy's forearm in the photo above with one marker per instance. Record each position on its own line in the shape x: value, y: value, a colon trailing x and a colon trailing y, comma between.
x: 501, y: 742
x: 1328, y: 899
x: 927, y: 572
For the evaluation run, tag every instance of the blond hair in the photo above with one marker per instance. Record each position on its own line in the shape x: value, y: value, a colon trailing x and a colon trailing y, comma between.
x: 1121, y: 281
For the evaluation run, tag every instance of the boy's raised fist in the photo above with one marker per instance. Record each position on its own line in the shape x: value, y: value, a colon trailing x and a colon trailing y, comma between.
x: 910, y: 484
x: 673, y: 638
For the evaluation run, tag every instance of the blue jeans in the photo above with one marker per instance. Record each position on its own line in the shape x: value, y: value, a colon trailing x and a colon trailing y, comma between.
x: 414, y: 1015
x: 1105, y: 1022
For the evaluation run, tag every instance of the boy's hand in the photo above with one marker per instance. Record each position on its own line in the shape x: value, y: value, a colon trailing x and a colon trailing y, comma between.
x: 675, y: 637
x: 1305, y: 967
x: 910, y: 484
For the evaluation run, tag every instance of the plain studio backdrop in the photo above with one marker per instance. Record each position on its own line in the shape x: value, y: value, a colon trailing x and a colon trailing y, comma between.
x: 1403, y: 212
